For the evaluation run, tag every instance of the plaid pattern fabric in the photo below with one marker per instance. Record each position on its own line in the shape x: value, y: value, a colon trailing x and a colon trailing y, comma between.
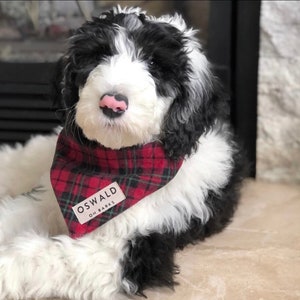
x: 79, y: 171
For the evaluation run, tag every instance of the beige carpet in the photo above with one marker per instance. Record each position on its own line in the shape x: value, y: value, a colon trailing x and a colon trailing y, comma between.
x: 256, y: 258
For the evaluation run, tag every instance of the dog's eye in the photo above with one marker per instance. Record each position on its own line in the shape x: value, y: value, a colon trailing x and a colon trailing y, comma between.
x: 152, y: 62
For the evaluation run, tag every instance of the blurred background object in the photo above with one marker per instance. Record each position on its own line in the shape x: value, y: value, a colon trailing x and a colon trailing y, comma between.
x: 35, y: 31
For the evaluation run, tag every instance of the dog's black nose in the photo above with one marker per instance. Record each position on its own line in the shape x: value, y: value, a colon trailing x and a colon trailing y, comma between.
x: 112, y: 105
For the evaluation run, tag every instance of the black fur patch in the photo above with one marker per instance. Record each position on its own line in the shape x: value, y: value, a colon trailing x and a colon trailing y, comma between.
x: 181, y: 138
x: 163, y: 50
x: 150, y: 259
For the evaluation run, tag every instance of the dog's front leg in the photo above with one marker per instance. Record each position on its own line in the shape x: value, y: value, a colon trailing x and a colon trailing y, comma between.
x: 36, y: 267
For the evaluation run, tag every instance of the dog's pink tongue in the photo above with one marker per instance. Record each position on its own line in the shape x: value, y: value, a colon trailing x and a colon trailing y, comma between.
x: 112, y: 103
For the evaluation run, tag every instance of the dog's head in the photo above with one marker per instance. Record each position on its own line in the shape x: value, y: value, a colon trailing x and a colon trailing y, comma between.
x: 129, y: 79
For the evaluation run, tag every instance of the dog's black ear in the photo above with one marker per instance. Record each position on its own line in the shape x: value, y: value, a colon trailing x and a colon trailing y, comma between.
x: 63, y: 92
x: 199, y: 103
x: 56, y: 92
x: 191, y: 116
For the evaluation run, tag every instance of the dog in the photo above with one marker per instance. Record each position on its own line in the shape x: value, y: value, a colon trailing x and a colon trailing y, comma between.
x: 141, y: 86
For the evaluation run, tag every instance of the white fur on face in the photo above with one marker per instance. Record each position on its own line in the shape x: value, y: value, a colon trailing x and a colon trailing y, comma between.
x: 121, y: 74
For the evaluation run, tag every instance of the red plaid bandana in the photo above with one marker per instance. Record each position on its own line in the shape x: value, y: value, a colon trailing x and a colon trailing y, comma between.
x: 78, y: 172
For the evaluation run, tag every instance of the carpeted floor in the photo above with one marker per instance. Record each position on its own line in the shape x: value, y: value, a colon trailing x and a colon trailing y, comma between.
x: 256, y: 258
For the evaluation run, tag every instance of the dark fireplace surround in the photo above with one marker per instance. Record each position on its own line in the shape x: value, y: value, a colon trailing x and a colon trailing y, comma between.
x: 233, y: 46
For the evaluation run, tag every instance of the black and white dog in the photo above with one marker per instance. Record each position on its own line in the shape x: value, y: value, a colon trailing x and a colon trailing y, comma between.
x: 129, y: 80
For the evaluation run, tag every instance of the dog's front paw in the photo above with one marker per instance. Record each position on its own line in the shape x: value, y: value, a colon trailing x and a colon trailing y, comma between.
x: 37, y: 267
x: 23, y: 269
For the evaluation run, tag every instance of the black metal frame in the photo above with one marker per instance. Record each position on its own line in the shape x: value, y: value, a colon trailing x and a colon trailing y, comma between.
x: 233, y: 47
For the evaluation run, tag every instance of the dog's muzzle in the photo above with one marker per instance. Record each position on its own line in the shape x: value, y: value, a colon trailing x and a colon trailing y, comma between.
x: 113, y: 105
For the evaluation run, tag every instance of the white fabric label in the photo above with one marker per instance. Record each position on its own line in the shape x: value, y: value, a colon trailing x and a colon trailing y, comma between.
x: 98, y: 203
